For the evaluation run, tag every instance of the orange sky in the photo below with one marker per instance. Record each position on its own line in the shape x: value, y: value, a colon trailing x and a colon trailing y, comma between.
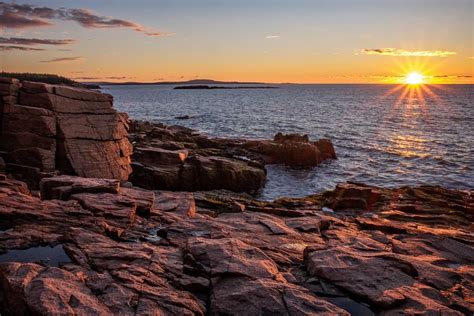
x: 338, y: 41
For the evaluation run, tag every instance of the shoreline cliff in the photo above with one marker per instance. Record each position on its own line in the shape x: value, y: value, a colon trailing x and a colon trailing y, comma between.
x: 89, y: 225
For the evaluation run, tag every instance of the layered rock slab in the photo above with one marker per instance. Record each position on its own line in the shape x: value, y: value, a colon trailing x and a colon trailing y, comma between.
x: 74, y: 131
x: 409, y: 253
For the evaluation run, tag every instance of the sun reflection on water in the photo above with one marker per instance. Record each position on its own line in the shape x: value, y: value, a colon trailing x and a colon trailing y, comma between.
x: 412, y: 108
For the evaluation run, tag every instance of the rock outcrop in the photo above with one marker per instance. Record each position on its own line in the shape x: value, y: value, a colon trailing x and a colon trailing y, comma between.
x: 162, y: 169
x: 102, y: 246
x: 91, y: 251
x: 178, y: 158
x: 292, y: 150
x: 45, y: 128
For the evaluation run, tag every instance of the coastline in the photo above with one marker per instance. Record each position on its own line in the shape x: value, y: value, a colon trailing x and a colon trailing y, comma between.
x: 174, y: 238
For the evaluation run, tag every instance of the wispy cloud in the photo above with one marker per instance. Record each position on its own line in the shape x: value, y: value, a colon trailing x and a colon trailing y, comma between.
x: 21, y: 48
x: 26, y: 16
x: 34, y: 41
x: 17, y: 21
x: 272, y: 36
x: 403, y: 52
x: 62, y: 59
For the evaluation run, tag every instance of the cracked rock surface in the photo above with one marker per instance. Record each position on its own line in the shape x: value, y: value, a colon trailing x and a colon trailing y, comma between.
x: 91, y: 247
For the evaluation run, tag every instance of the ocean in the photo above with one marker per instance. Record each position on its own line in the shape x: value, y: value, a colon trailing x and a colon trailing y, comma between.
x: 382, y: 134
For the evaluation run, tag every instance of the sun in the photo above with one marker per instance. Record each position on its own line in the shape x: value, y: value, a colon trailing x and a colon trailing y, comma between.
x: 414, y: 78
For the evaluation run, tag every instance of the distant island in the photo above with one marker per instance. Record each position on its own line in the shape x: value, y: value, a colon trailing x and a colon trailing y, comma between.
x: 188, y: 82
x: 206, y: 87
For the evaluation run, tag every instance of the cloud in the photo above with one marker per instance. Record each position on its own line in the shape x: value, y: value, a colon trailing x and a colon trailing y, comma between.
x: 16, y: 21
x: 272, y: 36
x: 62, y: 59
x: 35, y: 41
x: 403, y: 52
x: 25, y: 16
x: 21, y: 48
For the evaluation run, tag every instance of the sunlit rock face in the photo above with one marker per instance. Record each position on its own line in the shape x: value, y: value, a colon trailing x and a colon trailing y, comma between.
x: 92, y: 246
x: 75, y: 131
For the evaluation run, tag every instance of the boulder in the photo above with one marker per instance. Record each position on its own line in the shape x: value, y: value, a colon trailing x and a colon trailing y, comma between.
x: 158, y: 156
x: 354, y: 196
x: 281, y: 138
x: 326, y: 148
x: 194, y: 173
x: 292, y: 150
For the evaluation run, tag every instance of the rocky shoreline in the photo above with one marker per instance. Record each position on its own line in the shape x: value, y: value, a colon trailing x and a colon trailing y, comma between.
x: 182, y: 235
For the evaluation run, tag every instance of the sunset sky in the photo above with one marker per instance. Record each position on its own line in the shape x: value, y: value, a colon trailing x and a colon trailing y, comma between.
x: 314, y: 41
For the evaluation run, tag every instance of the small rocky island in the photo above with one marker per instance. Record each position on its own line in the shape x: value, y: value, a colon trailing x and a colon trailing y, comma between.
x: 90, y: 226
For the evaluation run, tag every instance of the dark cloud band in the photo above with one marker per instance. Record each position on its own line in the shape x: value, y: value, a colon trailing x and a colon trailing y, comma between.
x: 62, y: 59
x: 34, y: 41
x: 26, y: 16
x: 20, y: 48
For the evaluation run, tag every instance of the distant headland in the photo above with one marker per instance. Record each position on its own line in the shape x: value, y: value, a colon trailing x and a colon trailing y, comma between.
x: 207, y: 87
x: 201, y: 82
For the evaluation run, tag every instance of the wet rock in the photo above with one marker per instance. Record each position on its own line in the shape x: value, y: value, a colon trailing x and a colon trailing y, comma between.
x: 46, y: 255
